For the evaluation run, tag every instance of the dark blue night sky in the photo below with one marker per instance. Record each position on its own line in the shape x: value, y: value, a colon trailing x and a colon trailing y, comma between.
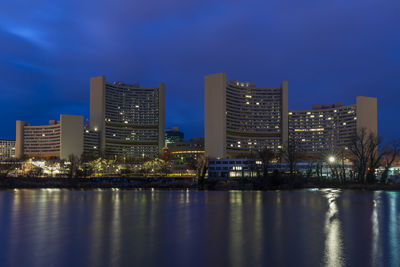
x: 329, y: 51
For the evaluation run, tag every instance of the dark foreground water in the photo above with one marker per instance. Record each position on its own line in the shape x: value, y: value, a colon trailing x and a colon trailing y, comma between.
x: 51, y: 227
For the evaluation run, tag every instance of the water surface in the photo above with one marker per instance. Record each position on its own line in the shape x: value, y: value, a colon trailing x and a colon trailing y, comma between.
x: 51, y: 227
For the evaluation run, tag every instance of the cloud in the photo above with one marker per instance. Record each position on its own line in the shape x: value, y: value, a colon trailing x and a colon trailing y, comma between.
x: 328, y: 51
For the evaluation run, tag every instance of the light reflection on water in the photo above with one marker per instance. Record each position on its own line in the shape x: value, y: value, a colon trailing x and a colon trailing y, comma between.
x: 53, y: 227
x: 333, y: 242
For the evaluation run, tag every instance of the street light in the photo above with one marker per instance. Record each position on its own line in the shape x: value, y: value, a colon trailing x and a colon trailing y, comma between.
x: 331, y: 159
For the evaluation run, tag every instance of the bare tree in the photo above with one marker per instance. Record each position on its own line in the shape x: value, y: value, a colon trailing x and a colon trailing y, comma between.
x: 391, y: 152
x: 289, y: 153
x: 202, y: 167
x: 73, y: 165
x: 367, y: 157
x: 266, y: 156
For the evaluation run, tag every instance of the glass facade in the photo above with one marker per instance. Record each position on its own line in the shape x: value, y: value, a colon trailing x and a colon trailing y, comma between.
x: 131, y: 121
x: 253, y: 117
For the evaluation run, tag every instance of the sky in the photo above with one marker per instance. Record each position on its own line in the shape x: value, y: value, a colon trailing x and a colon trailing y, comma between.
x: 329, y: 51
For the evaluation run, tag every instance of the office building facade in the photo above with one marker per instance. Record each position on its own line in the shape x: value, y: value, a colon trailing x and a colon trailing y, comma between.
x: 91, y: 143
x: 60, y: 139
x: 130, y: 120
x: 327, y: 128
x: 241, y: 118
x: 7, y: 149
x: 173, y: 135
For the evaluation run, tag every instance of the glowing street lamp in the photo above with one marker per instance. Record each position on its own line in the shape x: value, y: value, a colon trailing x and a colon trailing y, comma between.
x: 331, y: 159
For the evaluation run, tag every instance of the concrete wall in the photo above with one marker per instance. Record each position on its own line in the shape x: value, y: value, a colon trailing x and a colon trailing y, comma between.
x: 97, y: 107
x: 161, y: 117
x: 71, y: 136
x: 19, y: 140
x: 285, y: 118
x: 215, y: 116
x: 367, y: 114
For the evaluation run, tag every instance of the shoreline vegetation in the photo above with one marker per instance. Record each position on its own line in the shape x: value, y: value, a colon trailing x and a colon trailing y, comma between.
x: 178, y: 183
x: 370, y: 170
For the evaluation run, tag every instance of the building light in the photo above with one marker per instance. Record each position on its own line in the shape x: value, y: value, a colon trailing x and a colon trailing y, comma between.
x: 95, y: 147
x: 258, y: 162
x: 257, y: 103
x: 312, y: 116
x: 290, y: 113
x: 114, y: 134
x: 303, y: 140
x: 43, y: 135
x: 335, y: 110
x: 87, y: 131
x: 355, y: 118
x: 247, y: 103
x: 344, y: 123
x: 248, y: 96
x: 321, y: 116
x: 137, y: 106
x: 238, y: 142
x: 308, y: 113
x: 96, y: 129
x: 238, y: 145
x: 330, y: 118
x: 241, y: 84
x: 126, y: 122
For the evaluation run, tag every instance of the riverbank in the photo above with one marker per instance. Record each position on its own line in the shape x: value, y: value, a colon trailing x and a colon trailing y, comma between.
x: 177, y: 183
x: 91, y: 183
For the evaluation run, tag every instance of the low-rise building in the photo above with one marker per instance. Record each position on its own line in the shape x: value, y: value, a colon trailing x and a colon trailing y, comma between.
x: 185, y: 150
x: 227, y: 168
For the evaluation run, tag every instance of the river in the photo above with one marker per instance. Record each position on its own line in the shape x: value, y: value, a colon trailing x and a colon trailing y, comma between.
x: 327, y: 227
